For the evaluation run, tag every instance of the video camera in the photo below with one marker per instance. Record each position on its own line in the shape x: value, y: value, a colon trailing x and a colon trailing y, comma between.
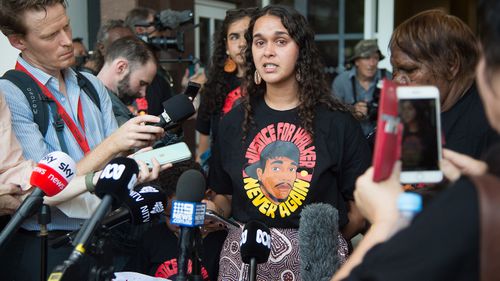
x: 169, y: 19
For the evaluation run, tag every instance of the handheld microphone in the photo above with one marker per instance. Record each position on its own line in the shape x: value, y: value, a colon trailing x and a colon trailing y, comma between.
x: 51, y: 176
x: 144, y: 201
x: 116, y: 180
x: 176, y: 109
x: 255, y: 246
x: 189, y: 214
x: 318, y: 242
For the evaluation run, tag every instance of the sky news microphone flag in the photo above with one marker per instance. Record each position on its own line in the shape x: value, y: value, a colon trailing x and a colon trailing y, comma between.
x: 50, y: 176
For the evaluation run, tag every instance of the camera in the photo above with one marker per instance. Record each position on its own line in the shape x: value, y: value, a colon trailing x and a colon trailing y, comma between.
x: 169, y: 19
x: 373, y: 106
x: 165, y: 43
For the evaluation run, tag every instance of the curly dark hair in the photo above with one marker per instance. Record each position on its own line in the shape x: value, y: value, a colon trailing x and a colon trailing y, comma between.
x: 313, y: 89
x: 215, y: 89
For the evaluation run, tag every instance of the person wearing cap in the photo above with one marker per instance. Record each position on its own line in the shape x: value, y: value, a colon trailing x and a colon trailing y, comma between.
x: 358, y: 86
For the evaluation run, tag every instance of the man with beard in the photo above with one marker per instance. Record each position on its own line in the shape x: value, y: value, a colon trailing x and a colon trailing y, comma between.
x: 129, y: 67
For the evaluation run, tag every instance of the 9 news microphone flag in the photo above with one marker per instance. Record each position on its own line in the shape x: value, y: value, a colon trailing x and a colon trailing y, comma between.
x: 51, y: 175
x: 189, y: 214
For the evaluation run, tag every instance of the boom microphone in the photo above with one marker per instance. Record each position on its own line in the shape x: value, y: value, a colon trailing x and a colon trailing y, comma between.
x: 318, y: 242
x: 51, y: 175
x: 189, y: 214
x: 176, y: 109
x: 172, y: 19
x: 255, y: 246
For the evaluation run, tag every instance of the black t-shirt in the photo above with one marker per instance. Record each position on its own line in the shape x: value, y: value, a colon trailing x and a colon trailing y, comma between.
x: 466, y: 128
x: 442, y: 243
x: 159, y: 248
x: 280, y: 169
x: 208, y: 126
x: 157, y: 92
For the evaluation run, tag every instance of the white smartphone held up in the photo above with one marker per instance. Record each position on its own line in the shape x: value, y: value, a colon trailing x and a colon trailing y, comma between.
x: 419, y: 111
x: 173, y: 153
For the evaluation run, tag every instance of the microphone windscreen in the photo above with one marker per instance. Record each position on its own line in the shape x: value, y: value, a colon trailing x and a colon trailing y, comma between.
x: 53, y: 173
x: 190, y: 186
x: 117, y: 179
x: 143, y: 202
x: 179, y: 108
x: 172, y: 19
x: 255, y: 242
x: 318, y: 242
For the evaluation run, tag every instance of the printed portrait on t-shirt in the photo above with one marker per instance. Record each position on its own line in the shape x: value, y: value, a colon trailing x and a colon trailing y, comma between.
x: 277, y: 176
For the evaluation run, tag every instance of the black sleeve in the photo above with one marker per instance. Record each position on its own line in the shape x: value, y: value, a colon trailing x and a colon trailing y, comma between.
x: 218, y: 179
x: 202, y: 118
x: 441, y: 244
x: 356, y: 157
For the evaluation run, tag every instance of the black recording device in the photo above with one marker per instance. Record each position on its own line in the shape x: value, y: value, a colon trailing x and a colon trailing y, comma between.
x: 373, y: 106
x: 169, y: 19
x: 179, y: 107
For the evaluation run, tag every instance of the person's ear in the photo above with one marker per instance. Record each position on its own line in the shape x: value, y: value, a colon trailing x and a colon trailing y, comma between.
x: 121, y: 66
x: 259, y: 172
x: 454, y: 67
x: 17, y: 41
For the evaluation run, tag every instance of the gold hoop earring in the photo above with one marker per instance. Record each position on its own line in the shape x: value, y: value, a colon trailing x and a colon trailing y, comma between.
x: 256, y: 78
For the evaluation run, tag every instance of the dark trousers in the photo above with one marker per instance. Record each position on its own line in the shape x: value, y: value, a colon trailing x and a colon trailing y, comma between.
x: 21, y: 258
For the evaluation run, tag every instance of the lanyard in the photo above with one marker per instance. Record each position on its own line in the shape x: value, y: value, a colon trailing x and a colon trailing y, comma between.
x: 75, y: 131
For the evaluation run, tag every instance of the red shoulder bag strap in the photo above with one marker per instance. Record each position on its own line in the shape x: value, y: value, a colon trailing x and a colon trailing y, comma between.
x: 488, y: 188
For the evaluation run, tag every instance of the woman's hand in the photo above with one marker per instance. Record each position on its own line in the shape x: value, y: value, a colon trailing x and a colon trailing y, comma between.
x: 455, y: 164
x: 377, y: 201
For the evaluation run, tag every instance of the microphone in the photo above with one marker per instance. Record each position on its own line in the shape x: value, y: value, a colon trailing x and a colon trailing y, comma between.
x: 189, y: 214
x: 139, y: 207
x: 172, y: 19
x: 116, y: 180
x: 318, y: 242
x: 50, y: 176
x: 255, y: 246
x: 144, y: 201
x: 176, y: 109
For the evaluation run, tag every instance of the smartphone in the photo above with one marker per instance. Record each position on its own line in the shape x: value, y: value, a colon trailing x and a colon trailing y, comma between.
x: 173, y: 153
x: 192, y: 89
x: 419, y: 112
x: 211, y: 215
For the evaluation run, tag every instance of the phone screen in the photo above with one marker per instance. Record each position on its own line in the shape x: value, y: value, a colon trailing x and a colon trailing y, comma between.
x: 420, y: 142
x: 192, y: 89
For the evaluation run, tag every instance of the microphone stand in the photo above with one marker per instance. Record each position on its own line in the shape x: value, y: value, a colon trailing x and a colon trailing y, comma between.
x: 184, y: 250
x: 252, y: 270
x: 43, y: 220
x: 197, y: 244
